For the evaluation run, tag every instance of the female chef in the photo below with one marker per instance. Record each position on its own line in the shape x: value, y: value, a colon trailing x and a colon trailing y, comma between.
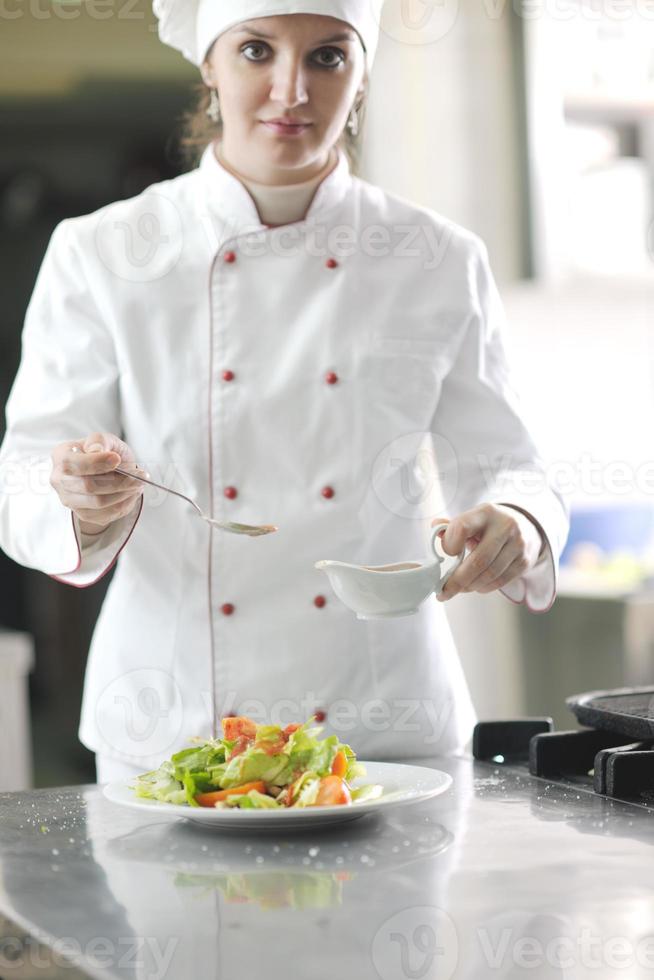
x: 287, y: 344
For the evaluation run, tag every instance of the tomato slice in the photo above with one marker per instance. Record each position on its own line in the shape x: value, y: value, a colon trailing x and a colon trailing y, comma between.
x: 332, y: 792
x: 210, y: 799
x: 241, y: 745
x: 339, y: 765
x: 234, y: 728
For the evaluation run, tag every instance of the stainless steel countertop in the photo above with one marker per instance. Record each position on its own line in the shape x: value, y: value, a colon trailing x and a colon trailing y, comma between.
x: 503, y: 876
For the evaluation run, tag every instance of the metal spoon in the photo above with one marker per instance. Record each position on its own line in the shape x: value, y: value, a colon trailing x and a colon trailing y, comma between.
x: 253, y: 531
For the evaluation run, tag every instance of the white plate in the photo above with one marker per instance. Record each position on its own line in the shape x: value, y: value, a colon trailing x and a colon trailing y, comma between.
x: 402, y: 785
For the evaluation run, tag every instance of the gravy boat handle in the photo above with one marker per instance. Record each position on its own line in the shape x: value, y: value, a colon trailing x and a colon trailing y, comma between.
x: 434, y: 538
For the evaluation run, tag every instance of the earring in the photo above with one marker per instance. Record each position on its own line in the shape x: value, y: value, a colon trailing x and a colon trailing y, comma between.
x: 214, y: 107
x: 353, y: 121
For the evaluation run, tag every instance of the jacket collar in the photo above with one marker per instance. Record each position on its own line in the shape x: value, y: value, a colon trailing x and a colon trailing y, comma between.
x: 232, y: 203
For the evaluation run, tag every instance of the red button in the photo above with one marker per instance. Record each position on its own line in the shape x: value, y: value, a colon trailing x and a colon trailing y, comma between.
x: 230, y: 256
x: 328, y: 492
x: 320, y: 601
x: 331, y: 378
x: 227, y: 609
x: 331, y: 264
x: 231, y: 493
x: 228, y: 375
x: 320, y: 715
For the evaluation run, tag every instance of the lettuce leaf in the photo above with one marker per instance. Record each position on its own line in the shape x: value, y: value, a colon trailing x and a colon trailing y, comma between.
x: 161, y: 785
x: 254, y: 800
x: 307, y: 753
x: 308, y: 790
x: 364, y: 793
x: 254, y: 765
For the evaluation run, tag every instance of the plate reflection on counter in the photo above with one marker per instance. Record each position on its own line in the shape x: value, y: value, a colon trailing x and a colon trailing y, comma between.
x: 309, y: 871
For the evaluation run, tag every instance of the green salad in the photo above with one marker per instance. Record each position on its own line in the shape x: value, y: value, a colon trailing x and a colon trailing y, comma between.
x: 260, y: 767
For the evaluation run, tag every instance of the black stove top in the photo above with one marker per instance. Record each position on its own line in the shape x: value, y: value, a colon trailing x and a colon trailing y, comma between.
x: 615, y: 757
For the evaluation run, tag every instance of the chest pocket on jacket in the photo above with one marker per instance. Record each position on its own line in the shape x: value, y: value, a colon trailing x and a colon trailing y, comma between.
x: 409, y: 370
x: 399, y: 387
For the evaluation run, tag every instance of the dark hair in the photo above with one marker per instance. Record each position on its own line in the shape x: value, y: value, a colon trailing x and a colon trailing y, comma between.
x: 197, y: 130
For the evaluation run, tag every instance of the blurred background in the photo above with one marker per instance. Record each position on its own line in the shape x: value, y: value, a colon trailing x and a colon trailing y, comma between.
x: 534, y: 128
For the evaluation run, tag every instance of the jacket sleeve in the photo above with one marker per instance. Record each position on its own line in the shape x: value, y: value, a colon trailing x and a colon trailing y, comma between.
x: 66, y: 387
x: 492, y: 455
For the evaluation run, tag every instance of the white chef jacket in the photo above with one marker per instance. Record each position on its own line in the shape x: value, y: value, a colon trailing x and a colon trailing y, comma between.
x: 344, y: 377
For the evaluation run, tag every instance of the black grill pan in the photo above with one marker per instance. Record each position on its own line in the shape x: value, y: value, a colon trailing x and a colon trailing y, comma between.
x: 626, y: 710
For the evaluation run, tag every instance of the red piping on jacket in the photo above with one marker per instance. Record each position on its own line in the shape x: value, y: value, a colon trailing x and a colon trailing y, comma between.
x: 214, y: 705
x: 79, y: 555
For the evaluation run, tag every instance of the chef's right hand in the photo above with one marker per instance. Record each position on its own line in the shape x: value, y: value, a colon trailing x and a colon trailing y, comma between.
x: 83, y: 477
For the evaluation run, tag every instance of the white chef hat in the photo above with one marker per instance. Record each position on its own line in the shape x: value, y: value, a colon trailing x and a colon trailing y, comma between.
x: 191, y: 26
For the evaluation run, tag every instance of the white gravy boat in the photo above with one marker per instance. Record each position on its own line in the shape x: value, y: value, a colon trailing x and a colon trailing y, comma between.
x: 383, y: 591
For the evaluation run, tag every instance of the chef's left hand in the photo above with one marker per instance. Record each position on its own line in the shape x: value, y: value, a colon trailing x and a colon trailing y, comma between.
x: 504, y: 543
